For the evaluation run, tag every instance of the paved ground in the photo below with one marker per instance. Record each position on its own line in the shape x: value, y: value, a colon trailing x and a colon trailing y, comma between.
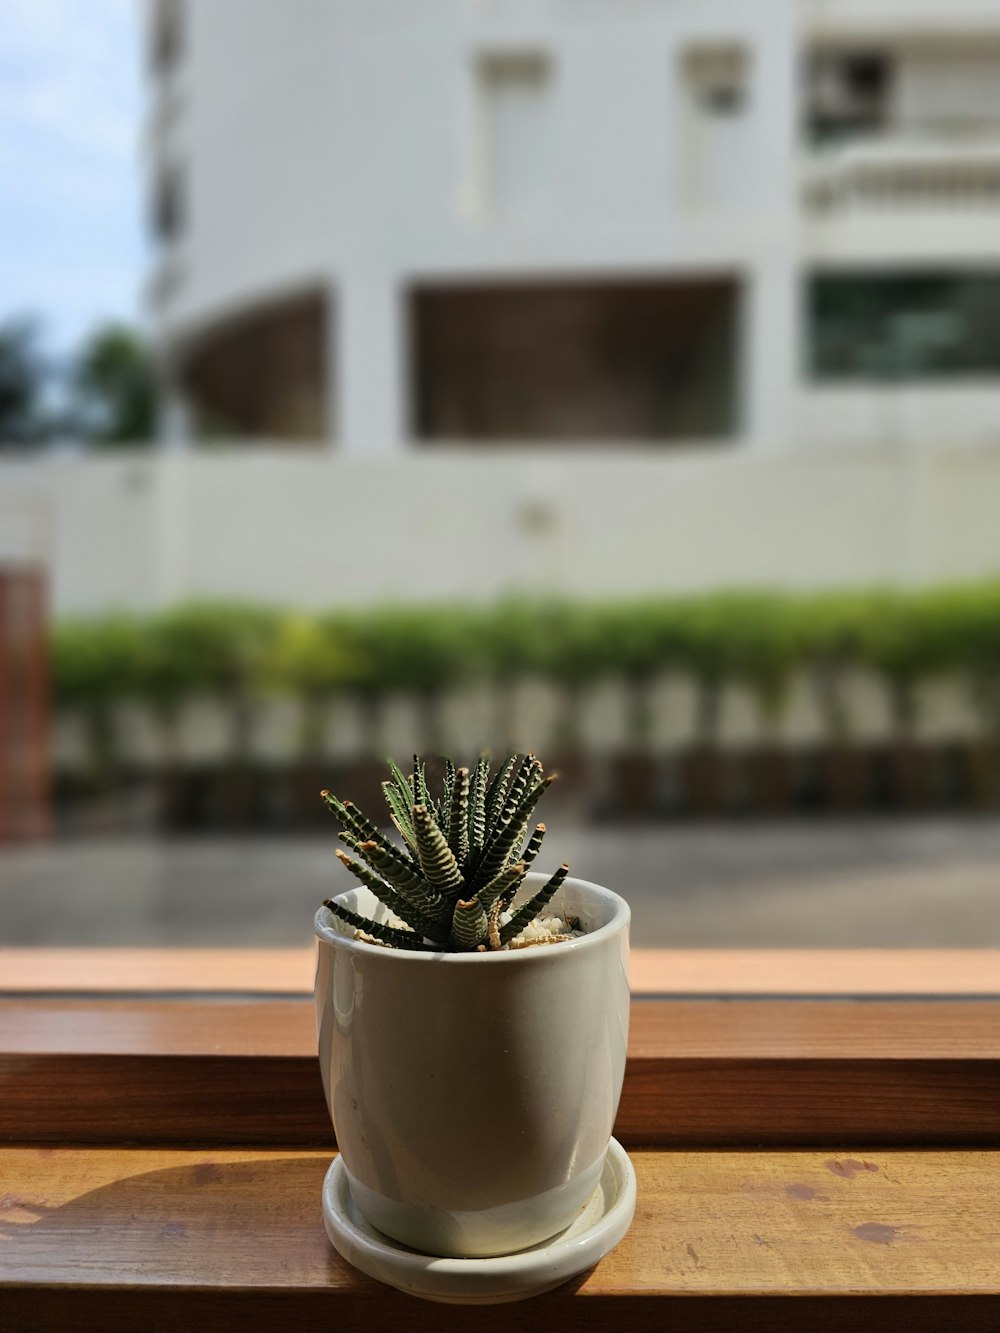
x: 844, y: 883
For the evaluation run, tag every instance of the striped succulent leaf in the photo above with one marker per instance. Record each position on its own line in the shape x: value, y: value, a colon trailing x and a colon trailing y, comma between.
x: 468, y: 926
x: 402, y: 782
x: 421, y: 794
x: 534, y: 844
x: 517, y: 842
x: 458, y: 816
x: 403, y: 794
x: 402, y: 877
x: 402, y: 815
x: 527, y: 913
x: 399, y: 939
x: 395, y: 902
x: 524, y: 773
x: 486, y: 864
x: 477, y: 805
x: 437, y: 860
x: 462, y: 858
x: 442, y: 810
x: 507, y: 882
x: 497, y: 793
x: 498, y: 852
x: 349, y: 815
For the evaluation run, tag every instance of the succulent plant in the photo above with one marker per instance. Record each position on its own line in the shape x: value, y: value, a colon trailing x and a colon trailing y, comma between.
x: 462, y: 860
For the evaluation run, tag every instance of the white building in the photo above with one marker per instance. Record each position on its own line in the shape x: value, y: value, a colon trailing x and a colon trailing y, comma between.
x: 385, y: 222
x: 746, y: 251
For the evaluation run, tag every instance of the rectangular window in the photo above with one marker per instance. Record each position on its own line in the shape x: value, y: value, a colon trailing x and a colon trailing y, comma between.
x: 717, y: 78
x: 950, y: 92
x: 906, y: 325
x: 515, y: 132
x: 848, y: 94
x: 576, y: 361
x: 944, y: 92
x: 716, y: 148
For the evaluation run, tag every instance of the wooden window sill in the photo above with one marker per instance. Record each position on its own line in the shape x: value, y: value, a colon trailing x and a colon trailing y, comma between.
x: 158, y: 1239
x: 700, y: 1073
x: 161, y: 1157
x: 711, y: 972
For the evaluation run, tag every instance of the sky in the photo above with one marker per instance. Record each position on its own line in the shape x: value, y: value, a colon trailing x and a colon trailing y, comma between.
x: 72, y: 247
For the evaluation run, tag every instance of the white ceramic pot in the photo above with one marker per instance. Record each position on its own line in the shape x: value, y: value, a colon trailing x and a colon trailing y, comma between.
x: 473, y: 1095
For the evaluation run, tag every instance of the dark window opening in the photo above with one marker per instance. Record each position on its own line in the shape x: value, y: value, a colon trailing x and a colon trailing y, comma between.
x: 724, y: 99
x: 848, y: 95
x: 262, y: 376
x: 718, y: 77
x: 575, y: 362
x: 903, y: 325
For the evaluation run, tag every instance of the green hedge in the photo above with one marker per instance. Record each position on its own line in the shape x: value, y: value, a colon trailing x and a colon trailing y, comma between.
x: 759, y: 638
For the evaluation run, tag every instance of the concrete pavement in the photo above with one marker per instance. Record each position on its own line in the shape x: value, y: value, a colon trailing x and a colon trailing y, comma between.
x: 845, y: 883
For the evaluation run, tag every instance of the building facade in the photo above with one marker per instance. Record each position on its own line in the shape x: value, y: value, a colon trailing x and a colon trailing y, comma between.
x: 387, y: 225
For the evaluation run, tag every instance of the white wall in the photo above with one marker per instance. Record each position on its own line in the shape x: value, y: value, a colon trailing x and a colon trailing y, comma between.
x: 942, y: 89
x: 873, y: 19
x: 345, y: 147
x: 315, y: 530
x: 515, y: 96
x: 341, y: 146
x: 900, y: 416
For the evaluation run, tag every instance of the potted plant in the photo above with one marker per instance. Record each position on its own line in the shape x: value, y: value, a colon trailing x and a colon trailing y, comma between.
x: 473, y: 1020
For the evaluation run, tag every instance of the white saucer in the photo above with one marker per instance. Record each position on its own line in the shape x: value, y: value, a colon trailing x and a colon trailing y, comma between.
x: 506, y: 1277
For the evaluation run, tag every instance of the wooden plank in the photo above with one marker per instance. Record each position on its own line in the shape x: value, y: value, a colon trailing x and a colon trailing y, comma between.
x: 723, y: 1073
x: 218, y: 1027
x: 661, y: 1029
x: 701, y: 972
x: 843, y: 972
x: 120, y: 1310
x: 25, y: 777
x: 110, y: 970
x: 880, y: 1240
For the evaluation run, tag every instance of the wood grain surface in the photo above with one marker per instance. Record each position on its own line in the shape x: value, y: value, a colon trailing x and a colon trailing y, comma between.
x: 703, y: 972
x: 664, y: 1029
x: 94, y: 1239
x: 699, y: 1073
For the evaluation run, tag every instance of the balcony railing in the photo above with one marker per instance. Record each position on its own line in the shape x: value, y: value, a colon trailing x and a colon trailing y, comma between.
x: 895, y: 174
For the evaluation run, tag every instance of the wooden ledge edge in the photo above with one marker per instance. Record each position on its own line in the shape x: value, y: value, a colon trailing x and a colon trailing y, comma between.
x: 664, y: 972
x: 699, y: 1072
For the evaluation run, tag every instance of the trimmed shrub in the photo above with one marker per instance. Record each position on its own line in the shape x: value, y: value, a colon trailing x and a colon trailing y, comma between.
x: 755, y: 637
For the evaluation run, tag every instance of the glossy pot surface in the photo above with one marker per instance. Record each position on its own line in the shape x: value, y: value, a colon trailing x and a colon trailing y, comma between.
x: 473, y: 1095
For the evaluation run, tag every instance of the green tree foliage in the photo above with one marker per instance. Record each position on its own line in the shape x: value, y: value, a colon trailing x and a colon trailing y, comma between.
x: 23, y: 376
x: 221, y: 649
x: 96, y: 664
x: 114, y: 388
x: 315, y: 659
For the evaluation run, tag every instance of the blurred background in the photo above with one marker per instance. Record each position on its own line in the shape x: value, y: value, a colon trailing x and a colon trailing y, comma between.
x: 618, y: 381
